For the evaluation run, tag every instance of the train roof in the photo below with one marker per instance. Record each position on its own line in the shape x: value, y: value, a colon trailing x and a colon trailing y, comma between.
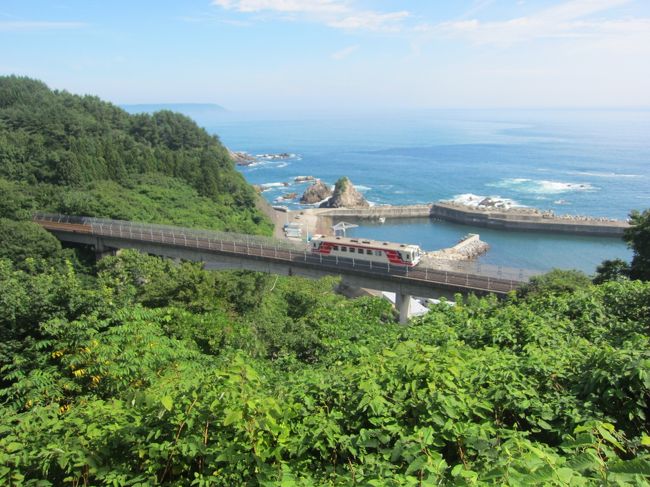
x: 363, y: 242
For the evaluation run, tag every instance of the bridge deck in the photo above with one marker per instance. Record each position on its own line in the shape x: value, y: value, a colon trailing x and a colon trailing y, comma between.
x: 275, y: 251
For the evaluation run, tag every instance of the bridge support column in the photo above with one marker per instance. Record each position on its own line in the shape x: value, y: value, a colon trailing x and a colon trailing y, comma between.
x: 403, y: 305
x: 102, y: 251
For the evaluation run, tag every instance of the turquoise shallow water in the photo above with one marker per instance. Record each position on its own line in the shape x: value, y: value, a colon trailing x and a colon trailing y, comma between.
x: 579, y: 162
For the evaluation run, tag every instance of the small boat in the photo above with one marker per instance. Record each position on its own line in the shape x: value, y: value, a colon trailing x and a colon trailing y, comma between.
x: 382, y: 219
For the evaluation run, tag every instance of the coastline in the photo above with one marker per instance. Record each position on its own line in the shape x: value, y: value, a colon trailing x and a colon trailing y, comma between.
x: 320, y: 220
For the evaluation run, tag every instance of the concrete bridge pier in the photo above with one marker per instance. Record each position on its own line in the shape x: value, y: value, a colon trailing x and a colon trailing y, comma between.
x: 403, y: 304
x: 102, y: 250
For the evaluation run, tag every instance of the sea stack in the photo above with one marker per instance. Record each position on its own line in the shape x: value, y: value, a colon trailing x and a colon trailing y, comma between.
x: 345, y: 196
x: 316, y: 193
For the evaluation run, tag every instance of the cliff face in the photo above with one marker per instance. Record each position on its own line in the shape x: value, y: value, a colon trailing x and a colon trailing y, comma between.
x: 345, y: 196
x: 316, y: 193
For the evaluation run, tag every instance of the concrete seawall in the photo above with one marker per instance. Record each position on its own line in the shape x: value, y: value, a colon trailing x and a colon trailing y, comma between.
x: 374, y: 212
x: 488, y: 218
x: 503, y: 220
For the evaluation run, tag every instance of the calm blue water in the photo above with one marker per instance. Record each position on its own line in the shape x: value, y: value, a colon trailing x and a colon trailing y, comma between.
x: 580, y: 162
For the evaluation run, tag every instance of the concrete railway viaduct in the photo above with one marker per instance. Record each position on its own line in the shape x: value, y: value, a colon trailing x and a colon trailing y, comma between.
x: 221, y: 250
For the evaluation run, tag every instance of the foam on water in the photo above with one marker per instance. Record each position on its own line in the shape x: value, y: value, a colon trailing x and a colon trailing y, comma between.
x: 267, y: 186
x: 598, y: 174
x: 541, y: 186
x: 474, y: 200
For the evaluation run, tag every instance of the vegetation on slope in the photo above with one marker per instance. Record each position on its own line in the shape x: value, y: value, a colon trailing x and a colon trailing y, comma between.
x: 162, y: 373
x: 637, y: 237
x: 74, y: 153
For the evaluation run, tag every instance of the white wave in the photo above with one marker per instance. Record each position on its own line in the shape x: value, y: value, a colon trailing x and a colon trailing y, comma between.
x: 361, y: 188
x: 475, y: 200
x: 318, y: 203
x: 282, y: 164
x: 598, y: 174
x: 277, y: 157
x: 541, y: 186
x: 267, y: 186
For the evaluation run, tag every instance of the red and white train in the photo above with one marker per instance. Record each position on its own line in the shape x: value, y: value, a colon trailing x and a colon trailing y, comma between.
x: 367, y: 250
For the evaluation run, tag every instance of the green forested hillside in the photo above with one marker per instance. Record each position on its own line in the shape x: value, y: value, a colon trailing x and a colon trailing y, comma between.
x: 74, y: 153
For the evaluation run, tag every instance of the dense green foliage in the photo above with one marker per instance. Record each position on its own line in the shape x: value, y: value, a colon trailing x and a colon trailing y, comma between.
x: 63, y: 152
x: 638, y: 238
x: 611, y: 270
x: 555, y: 281
x: 162, y: 373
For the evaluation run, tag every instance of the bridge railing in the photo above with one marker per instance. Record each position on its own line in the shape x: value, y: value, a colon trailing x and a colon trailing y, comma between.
x: 123, y: 228
x: 481, y: 269
x: 464, y: 274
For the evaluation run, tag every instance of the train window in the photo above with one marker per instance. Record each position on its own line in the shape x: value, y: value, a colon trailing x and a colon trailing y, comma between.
x: 369, y: 252
x: 378, y: 252
x: 360, y: 251
x: 344, y: 249
x: 335, y: 247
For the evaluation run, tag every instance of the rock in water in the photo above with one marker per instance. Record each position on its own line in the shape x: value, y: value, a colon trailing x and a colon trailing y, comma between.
x: 242, y: 158
x: 304, y: 179
x: 345, y: 196
x: 316, y: 193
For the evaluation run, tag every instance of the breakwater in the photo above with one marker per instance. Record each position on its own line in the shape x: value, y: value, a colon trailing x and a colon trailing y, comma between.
x: 468, y: 248
x: 527, y: 220
x: 376, y: 212
x: 521, y: 219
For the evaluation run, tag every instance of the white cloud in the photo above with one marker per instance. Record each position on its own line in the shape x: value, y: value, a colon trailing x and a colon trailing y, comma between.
x: 338, y: 14
x: 20, y: 25
x: 343, y: 53
x: 288, y: 6
x: 371, y: 21
x: 561, y: 21
x: 476, y: 7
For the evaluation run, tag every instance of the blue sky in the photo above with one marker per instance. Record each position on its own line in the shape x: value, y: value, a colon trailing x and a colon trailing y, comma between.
x: 336, y: 54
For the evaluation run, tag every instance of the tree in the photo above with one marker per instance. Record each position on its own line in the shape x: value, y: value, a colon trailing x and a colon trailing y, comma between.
x: 612, y: 270
x: 20, y: 240
x: 557, y: 281
x: 638, y: 239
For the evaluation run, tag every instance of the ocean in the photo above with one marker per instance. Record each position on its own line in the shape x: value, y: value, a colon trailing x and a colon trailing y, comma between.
x: 581, y: 162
